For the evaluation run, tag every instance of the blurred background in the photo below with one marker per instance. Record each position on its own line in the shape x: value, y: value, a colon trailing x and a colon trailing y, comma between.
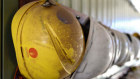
x: 122, y: 15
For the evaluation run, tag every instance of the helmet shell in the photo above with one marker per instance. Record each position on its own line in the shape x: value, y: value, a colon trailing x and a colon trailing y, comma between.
x: 49, y: 41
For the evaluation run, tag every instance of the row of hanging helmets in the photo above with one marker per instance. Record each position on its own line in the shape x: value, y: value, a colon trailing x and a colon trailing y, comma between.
x: 55, y: 42
x: 106, y: 47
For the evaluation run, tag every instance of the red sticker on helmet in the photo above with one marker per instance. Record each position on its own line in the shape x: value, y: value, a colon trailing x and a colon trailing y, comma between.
x: 33, y: 52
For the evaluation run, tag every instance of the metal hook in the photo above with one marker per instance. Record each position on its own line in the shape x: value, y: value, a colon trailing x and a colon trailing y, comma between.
x: 49, y: 3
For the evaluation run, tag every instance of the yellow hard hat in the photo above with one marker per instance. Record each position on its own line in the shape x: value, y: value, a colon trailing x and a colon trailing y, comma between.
x: 48, y: 40
x: 136, y: 35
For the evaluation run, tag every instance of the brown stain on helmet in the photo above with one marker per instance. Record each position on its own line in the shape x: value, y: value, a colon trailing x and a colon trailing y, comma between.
x: 64, y: 16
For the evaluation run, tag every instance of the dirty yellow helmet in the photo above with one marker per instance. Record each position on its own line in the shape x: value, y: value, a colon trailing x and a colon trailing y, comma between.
x: 48, y: 40
x: 136, y: 35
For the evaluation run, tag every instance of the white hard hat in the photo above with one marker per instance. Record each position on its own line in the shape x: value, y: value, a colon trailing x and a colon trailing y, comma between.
x: 99, y: 52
